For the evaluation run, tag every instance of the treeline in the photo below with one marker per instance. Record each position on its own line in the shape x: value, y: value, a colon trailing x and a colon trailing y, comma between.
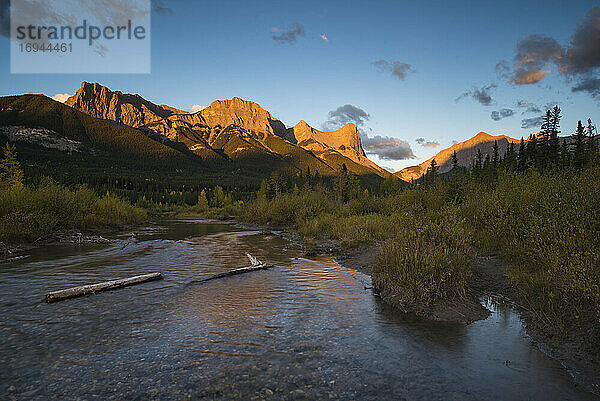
x: 545, y: 151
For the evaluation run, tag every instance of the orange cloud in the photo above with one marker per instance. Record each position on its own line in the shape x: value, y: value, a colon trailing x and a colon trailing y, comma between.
x: 528, y: 77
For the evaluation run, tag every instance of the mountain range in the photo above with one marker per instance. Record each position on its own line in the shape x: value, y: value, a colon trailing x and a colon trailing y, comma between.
x: 228, y: 140
x: 228, y: 130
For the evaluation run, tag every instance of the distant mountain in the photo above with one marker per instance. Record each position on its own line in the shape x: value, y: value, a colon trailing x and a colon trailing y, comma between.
x: 465, y: 152
x: 345, y: 141
x: 234, y: 129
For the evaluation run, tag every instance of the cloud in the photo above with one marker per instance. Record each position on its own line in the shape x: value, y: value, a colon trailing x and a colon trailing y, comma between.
x: 523, y: 76
x: 579, y: 61
x: 289, y: 35
x: 427, y: 144
x: 397, y: 68
x: 387, y: 148
x: 345, y: 114
x: 529, y: 107
x: 482, y: 95
x: 534, y: 53
x: 502, y: 69
x: 324, y: 37
x: 61, y: 97
x: 196, y: 108
x: 503, y: 113
x: 589, y: 85
x: 583, y: 53
x: 532, y: 122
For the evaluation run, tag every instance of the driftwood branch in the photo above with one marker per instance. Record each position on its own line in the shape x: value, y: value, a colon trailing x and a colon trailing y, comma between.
x: 256, y: 265
x: 94, y: 288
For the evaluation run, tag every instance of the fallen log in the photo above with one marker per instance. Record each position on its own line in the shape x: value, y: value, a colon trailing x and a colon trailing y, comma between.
x: 94, y: 288
x: 233, y: 272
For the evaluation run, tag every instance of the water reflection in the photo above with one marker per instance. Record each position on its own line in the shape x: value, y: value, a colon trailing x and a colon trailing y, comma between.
x: 304, y: 329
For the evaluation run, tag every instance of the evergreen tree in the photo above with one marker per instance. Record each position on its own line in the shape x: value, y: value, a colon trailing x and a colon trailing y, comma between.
x: 496, y: 156
x: 553, y: 143
x: 11, y: 174
x: 592, y: 142
x: 546, y: 124
x: 579, y: 153
x: 522, y: 156
x: 532, y: 152
x: 432, y: 172
x: 341, y: 185
x: 454, y: 163
x: 477, y: 164
x: 510, y: 157
x: 565, y: 155
x: 542, y: 149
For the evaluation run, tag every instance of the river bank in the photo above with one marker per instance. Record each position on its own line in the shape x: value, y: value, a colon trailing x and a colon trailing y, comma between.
x: 490, y: 278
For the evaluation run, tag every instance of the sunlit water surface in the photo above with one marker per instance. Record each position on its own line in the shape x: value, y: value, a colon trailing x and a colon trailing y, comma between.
x: 303, y: 329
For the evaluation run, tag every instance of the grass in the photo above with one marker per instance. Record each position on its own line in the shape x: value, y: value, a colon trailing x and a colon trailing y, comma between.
x: 27, y: 214
x: 545, y: 226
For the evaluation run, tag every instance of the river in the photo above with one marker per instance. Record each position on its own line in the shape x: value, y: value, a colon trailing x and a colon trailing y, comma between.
x: 305, y: 329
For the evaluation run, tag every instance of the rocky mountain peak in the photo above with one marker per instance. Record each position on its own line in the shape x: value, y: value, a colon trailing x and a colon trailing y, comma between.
x: 243, y: 113
x: 101, y: 102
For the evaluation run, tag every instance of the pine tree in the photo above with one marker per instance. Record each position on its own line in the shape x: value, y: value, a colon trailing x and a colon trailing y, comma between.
x: 579, y: 154
x: 522, y: 156
x: 565, y: 155
x: 532, y: 152
x: 478, y: 164
x: 454, y: 163
x: 510, y: 158
x: 11, y: 174
x: 496, y: 156
x: 542, y: 149
x: 546, y: 124
x: 341, y: 184
x: 553, y: 143
x: 432, y: 172
x: 592, y: 142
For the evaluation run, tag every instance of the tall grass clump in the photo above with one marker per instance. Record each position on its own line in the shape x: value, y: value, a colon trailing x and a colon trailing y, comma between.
x: 425, y: 263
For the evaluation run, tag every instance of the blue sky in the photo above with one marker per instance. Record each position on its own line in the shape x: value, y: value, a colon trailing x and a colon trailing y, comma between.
x: 203, y: 51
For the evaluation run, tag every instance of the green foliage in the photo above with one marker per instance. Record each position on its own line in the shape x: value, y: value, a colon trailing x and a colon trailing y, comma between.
x: 27, y: 214
x: 11, y: 174
x: 202, y: 201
